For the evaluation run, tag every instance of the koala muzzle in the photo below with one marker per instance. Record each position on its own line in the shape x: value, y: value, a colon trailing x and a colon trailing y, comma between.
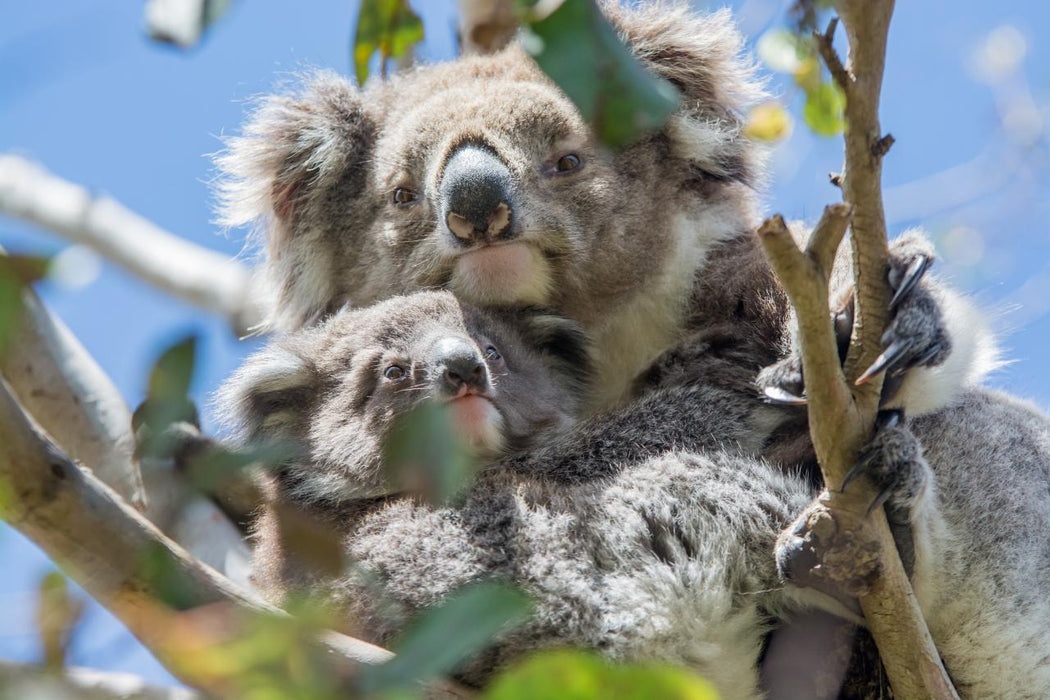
x: 476, y: 197
x: 458, y: 366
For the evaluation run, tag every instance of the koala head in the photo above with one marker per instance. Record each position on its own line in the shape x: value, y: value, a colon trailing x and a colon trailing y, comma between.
x: 480, y: 176
x: 337, y: 390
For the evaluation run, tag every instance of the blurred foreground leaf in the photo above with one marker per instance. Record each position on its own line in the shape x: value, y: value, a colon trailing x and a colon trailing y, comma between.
x: 446, y: 636
x: 769, y: 122
x: 183, y: 22
x: 577, y: 47
x: 578, y: 675
x: 387, y: 26
x: 57, y: 615
x: 824, y: 109
x: 16, y: 273
x: 426, y: 456
x: 167, y: 398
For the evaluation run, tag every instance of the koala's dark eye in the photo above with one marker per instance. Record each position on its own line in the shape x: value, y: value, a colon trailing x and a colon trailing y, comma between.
x: 492, y: 354
x: 403, y: 196
x: 570, y: 162
x: 395, y: 373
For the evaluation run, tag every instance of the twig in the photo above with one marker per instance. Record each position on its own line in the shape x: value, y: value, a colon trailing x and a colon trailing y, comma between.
x: 188, y: 271
x: 843, y: 547
x: 102, y: 543
x: 826, y: 49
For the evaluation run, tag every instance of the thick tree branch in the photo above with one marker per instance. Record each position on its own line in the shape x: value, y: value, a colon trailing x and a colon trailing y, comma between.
x: 198, y: 275
x: 843, y: 547
x: 122, y: 559
x: 72, y: 399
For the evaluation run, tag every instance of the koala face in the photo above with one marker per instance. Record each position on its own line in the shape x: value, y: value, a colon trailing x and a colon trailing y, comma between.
x: 338, y: 390
x: 480, y: 176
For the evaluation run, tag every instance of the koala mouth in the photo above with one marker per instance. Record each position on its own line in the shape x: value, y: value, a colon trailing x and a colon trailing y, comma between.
x: 478, y: 422
x: 505, y: 273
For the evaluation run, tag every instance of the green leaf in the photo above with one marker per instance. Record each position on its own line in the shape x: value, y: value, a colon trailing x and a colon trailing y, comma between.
x: 387, y: 26
x: 577, y: 675
x: 168, y: 397
x: 16, y: 273
x: 768, y: 121
x: 425, y: 455
x: 443, y: 638
x: 579, y: 50
x: 824, y: 109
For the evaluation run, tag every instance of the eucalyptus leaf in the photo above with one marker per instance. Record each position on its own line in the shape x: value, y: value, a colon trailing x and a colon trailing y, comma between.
x: 167, y: 398
x: 425, y: 455
x: 579, y: 50
x: 769, y: 122
x: 446, y: 636
x: 578, y: 675
x: 824, y: 107
x: 390, y: 27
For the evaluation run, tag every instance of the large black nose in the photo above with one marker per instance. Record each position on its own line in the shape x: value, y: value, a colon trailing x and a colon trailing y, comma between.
x: 475, y: 196
x: 457, y: 363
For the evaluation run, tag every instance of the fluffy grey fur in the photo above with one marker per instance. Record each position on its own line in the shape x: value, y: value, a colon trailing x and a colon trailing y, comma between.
x: 647, y: 533
x: 643, y: 247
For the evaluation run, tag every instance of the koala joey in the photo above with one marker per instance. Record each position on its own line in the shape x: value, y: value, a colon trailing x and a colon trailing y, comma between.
x: 480, y: 176
x: 646, y: 533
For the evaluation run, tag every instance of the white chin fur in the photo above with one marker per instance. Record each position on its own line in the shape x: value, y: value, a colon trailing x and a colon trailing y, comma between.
x: 511, y: 273
x: 479, y: 424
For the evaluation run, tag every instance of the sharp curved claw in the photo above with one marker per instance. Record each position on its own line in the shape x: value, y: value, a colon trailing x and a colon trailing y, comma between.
x: 776, y: 395
x: 911, y: 277
x: 927, y: 356
x: 880, y: 500
x: 863, y: 460
x: 890, y: 356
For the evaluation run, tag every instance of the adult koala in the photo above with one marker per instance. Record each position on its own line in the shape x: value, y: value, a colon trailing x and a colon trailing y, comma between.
x: 480, y: 176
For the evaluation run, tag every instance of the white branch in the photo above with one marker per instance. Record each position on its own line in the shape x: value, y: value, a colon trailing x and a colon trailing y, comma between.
x: 23, y: 681
x: 200, y: 276
x: 72, y: 399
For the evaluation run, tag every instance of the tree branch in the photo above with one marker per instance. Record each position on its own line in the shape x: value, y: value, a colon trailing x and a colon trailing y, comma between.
x: 24, y: 681
x: 121, y: 559
x: 839, y: 546
x: 72, y: 399
x: 188, y: 271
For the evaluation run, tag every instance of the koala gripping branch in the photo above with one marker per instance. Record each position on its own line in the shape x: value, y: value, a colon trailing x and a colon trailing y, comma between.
x: 846, y: 549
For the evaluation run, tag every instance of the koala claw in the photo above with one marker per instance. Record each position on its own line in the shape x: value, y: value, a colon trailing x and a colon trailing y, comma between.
x: 780, y: 397
x: 904, y: 281
x: 893, y: 462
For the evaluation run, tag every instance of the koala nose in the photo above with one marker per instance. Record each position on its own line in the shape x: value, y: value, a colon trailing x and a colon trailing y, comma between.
x: 475, y: 196
x: 458, y: 364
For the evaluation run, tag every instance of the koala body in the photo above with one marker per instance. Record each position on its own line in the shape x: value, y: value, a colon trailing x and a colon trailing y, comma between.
x: 480, y: 176
x: 645, y: 533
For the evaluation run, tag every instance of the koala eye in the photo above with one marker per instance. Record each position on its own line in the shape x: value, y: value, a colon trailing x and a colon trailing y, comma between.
x: 403, y: 196
x: 395, y: 373
x: 492, y: 355
x: 570, y: 162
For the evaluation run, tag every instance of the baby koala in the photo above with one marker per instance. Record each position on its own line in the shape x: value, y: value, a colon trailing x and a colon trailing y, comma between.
x: 647, y: 533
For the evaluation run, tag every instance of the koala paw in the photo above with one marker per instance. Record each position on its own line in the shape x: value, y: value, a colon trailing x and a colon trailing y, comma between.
x: 917, y: 335
x: 894, y: 464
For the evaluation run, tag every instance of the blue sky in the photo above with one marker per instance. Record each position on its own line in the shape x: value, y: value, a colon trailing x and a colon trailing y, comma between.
x: 83, y: 91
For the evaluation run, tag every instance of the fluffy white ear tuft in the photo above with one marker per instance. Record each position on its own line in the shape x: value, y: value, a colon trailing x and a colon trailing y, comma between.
x: 269, y: 394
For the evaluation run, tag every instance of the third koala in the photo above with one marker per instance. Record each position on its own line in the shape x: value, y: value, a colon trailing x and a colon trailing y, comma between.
x: 480, y: 176
x: 645, y: 533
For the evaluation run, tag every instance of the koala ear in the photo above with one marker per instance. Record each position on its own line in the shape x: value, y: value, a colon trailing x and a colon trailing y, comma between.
x: 269, y: 397
x: 291, y: 148
x: 701, y: 55
x: 564, y: 341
